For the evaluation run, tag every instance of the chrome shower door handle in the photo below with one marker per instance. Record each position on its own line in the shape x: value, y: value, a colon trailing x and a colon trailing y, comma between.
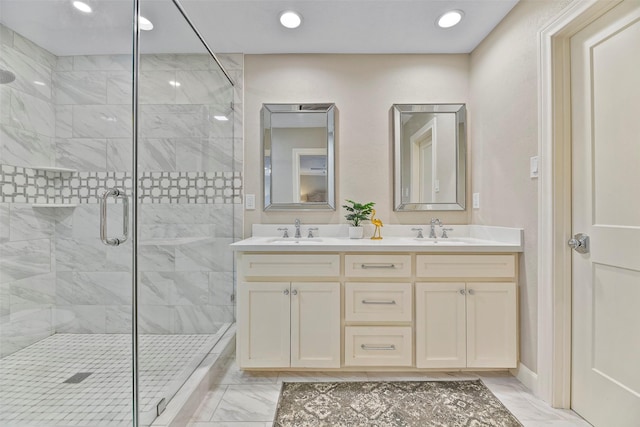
x: 117, y: 194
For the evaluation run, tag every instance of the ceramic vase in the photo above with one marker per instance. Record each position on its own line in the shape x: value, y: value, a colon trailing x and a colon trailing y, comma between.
x: 356, y: 232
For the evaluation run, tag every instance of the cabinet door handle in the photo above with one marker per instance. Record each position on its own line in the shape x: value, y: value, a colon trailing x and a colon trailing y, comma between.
x: 378, y: 347
x: 472, y: 292
x: 365, y: 266
x: 461, y: 291
x: 366, y: 301
x: 286, y: 292
x: 294, y: 292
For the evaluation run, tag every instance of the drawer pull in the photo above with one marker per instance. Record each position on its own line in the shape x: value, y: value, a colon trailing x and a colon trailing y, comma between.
x: 378, y: 347
x: 365, y: 266
x: 392, y: 302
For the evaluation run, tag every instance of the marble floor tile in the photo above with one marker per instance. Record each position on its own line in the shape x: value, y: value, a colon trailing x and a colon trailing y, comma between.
x: 556, y: 423
x: 226, y: 372
x: 230, y: 424
x: 420, y: 376
x: 256, y: 402
x: 249, y: 398
x: 210, y: 403
x: 292, y: 376
x: 532, y: 409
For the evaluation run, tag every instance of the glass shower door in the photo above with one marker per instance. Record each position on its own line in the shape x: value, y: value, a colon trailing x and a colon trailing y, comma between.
x: 188, y: 189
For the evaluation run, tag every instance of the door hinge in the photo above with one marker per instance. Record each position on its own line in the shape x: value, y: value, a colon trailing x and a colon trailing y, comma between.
x: 161, y: 406
x: 233, y: 297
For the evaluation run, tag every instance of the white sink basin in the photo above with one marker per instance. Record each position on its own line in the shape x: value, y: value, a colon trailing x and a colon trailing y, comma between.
x: 293, y: 241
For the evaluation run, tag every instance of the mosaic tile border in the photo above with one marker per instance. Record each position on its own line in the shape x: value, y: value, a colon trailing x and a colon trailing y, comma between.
x: 29, y: 185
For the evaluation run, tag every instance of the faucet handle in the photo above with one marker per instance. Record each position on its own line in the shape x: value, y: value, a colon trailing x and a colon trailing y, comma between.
x: 419, y: 230
x: 444, y: 232
x: 311, y: 230
x: 286, y: 232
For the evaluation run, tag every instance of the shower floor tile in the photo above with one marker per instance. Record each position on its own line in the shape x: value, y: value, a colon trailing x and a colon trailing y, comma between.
x: 33, y: 391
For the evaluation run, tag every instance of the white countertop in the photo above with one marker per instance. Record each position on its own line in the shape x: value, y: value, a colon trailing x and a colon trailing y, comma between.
x: 396, y: 238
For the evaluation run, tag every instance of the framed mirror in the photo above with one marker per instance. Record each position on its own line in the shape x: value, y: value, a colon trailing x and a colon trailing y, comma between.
x: 429, y: 146
x: 298, y: 156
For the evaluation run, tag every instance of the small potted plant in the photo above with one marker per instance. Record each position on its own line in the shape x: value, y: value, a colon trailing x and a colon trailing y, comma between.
x: 357, y: 212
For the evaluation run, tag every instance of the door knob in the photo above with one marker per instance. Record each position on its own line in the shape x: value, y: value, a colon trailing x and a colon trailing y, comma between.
x: 579, y: 243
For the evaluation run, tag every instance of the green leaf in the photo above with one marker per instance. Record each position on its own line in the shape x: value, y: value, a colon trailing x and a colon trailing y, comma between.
x: 358, y: 212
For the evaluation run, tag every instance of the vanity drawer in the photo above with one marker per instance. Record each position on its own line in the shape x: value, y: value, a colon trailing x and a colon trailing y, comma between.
x: 377, y: 265
x: 465, y: 266
x: 378, y: 302
x: 377, y: 346
x: 290, y: 265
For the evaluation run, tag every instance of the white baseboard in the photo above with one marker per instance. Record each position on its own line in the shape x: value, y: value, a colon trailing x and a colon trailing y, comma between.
x: 527, y: 377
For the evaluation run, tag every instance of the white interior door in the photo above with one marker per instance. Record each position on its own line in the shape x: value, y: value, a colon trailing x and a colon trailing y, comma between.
x: 426, y: 171
x: 605, y: 74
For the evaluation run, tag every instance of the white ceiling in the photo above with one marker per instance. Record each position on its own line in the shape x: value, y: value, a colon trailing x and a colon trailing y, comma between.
x: 252, y: 26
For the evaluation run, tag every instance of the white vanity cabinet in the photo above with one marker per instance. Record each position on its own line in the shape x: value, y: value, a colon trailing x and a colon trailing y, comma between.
x: 470, y: 324
x: 293, y: 323
x: 377, y: 310
x: 378, y: 314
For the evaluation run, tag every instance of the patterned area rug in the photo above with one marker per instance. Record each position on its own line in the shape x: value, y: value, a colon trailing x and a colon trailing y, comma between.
x: 391, y: 404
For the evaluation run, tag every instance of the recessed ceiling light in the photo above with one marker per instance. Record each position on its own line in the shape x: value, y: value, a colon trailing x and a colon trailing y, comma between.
x: 82, y: 7
x: 174, y: 83
x: 145, y: 24
x: 450, y: 19
x: 38, y: 82
x: 290, y: 19
x: 221, y: 118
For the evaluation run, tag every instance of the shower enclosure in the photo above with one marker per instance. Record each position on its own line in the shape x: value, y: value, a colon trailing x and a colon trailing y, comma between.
x: 120, y: 170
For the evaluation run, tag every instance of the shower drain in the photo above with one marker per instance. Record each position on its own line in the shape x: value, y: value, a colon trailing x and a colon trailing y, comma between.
x: 77, y: 378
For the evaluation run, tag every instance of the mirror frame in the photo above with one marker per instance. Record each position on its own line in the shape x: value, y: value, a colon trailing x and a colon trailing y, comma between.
x: 461, y: 156
x: 265, y: 124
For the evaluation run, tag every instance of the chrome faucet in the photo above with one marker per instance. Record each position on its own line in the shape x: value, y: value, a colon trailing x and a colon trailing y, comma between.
x: 432, y: 232
x: 444, y: 232
x: 419, y: 230
x: 297, y: 225
x: 311, y: 230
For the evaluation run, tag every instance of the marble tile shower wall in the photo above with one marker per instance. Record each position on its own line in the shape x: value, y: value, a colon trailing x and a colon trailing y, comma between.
x: 56, y: 274
x: 27, y: 237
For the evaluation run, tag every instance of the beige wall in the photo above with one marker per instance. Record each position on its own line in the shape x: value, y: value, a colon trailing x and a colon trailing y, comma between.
x: 499, y: 85
x: 504, y: 135
x: 363, y: 87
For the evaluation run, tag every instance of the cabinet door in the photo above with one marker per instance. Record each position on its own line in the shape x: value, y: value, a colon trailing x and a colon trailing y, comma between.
x: 263, y: 324
x: 440, y: 325
x: 315, y: 325
x: 492, y: 325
